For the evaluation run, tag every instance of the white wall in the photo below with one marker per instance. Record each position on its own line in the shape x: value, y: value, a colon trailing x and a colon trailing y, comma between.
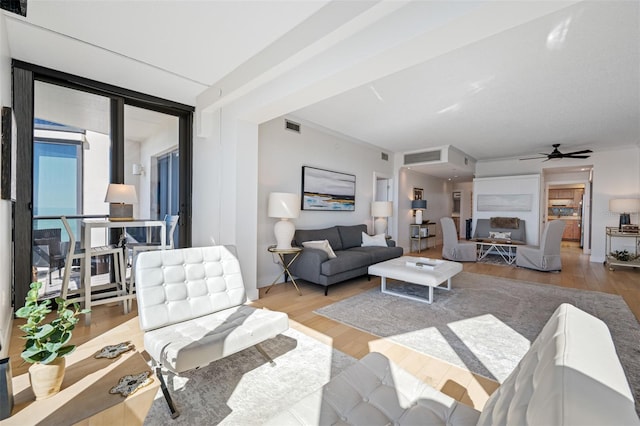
x: 437, y: 192
x: 6, y: 261
x: 511, y: 185
x: 616, y: 174
x: 225, y: 183
x: 281, y: 155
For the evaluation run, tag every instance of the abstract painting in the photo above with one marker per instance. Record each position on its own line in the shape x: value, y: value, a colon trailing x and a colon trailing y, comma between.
x: 327, y: 190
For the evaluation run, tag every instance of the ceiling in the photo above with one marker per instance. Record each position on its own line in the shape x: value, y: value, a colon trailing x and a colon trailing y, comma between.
x: 493, y: 79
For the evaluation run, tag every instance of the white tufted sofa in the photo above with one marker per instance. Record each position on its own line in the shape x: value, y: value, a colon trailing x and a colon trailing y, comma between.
x: 571, y: 375
x: 191, y: 309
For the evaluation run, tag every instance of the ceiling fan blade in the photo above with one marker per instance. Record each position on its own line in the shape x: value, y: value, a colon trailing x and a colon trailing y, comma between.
x: 534, y: 158
x: 585, y: 151
x: 575, y: 156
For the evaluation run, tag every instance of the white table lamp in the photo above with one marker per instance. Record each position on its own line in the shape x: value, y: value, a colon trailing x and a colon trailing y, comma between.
x: 121, y: 198
x: 284, y: 206
x: 418, y: 206
x: 624, y: 206
x: 381, y: 210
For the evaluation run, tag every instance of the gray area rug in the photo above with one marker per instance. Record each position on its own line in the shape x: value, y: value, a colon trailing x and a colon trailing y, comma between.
x: 244, y: 389
x: 484, y: 324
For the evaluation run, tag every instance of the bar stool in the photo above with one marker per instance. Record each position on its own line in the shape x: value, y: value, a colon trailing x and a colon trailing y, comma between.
x: 116, y: 291
x: 136, y: 248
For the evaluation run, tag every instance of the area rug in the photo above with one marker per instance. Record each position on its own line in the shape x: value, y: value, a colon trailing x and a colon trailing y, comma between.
x: 244, y: 389
x: 484, y: 324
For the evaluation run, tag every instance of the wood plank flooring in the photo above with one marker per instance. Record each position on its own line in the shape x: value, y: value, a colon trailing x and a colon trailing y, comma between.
x: 473, y: 390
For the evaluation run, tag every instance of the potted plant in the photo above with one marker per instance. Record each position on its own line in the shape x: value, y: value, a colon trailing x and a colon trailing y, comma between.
x: 47, y: 343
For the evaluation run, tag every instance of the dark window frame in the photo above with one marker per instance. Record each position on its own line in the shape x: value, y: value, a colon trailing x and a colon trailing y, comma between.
x: 24, y: 75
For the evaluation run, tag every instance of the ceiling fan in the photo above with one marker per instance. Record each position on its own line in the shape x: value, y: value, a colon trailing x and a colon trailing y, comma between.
x: 557, y: 154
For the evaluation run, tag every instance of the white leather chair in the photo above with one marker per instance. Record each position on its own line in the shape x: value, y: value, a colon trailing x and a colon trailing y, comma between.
x: 191, y: 306
x: 452, y: 249
x: 571, y: 375
x: 115, y: 292
x: 545, y: 257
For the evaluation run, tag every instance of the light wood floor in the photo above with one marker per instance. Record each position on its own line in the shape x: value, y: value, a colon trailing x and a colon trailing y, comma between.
x: 473, y: 390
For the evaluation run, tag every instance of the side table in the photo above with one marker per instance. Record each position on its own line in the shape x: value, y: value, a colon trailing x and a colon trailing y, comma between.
x: 285, y: 265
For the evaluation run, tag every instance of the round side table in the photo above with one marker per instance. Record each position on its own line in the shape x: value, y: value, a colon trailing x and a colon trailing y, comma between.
x: 285, y: 265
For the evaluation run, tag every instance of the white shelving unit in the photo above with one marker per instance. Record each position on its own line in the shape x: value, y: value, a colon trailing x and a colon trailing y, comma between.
x: 419, y: 233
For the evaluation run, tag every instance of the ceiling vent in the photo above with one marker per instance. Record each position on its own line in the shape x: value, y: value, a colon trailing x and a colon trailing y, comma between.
x: 423, y: 157
x: 444, y: 161
x: 292, y: 125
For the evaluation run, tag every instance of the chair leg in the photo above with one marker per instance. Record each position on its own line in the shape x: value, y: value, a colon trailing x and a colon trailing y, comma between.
x: 65, y: 280
x: 120, y: 277
x: 174, y: 413
x: 264, y: 354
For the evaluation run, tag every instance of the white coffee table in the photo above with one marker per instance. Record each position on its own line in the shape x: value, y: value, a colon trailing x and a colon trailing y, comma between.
x: 397, y: 269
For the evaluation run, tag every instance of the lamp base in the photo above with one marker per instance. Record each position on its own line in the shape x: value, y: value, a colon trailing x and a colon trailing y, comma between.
x: 284, y: 230
x: 418, y: 217
x: 120, y: 212
x: 380, y: 225
x: 625, y: 219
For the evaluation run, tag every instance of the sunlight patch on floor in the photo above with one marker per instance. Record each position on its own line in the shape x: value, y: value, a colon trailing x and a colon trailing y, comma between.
x: 477, y: 331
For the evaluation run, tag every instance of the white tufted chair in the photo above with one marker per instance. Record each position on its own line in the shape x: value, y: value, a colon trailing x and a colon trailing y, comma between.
x: 571, y: 375
x: 191, y: 309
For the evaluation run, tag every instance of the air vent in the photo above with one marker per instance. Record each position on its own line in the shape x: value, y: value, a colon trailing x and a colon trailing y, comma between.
x: 384, y: 156
x: 291, y: 125
x: 422, y: 157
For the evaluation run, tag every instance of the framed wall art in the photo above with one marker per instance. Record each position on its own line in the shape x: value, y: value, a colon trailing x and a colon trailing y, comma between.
x: 418, y: 193
x: 505, y: 202
x: 327, y: 190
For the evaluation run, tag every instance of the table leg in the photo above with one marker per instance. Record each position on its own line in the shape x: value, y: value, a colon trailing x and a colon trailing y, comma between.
x: 86, y: 277
x: 285, y: 272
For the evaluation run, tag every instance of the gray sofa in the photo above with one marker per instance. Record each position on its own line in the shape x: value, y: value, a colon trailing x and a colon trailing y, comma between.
x: 315, y: 266
x: 513, y: 225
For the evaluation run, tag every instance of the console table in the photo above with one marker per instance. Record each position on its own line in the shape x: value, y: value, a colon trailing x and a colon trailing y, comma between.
x: 613, y: 234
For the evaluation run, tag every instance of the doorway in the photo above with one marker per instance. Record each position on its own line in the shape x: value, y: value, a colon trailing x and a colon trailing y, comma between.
x: 382, y: 191
x: 568, y: 198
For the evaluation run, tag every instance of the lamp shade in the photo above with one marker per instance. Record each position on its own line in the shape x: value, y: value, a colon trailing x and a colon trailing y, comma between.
x: 419, y: 204
x: 120, y: 193
x: 624, y: 205
x: 284, y: 205
x: 381, y: 209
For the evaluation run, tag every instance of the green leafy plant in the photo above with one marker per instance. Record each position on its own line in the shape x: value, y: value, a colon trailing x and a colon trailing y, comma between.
x: 46, y: 342
x: 622, y: 255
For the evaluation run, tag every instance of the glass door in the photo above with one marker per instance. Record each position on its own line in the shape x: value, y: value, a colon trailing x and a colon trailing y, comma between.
x: 71, y: 171
x: 151, y: 152
x: 74, y: 137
